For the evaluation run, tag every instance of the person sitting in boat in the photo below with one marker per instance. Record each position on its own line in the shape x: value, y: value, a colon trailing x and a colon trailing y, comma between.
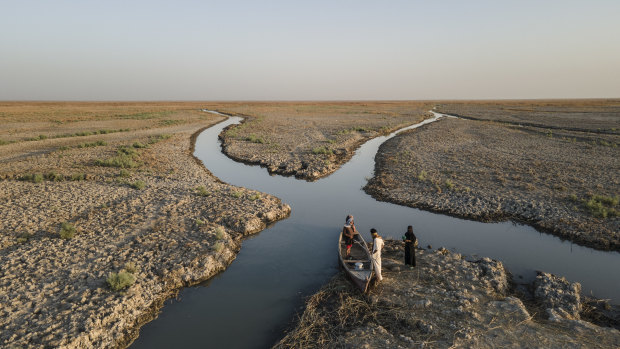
x: 377, y: 245
x: 348, y: 234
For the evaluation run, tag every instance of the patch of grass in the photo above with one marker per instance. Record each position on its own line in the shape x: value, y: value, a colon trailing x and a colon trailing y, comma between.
x: 220, y: 234
x: 422, y: 176
x: 449, y: 184
x: 140, y: 145
x: 34, y: 178
x: 121, y: 280
x: 131, y: 268
x: 3, y: 142
x: 602, y: 206
x: 92, y: 144
x: 53, y: 176
x: 157, y: 138
x: 169, y: 122
x: 139, y: 185
x: 67, y: 231
x: 124, y: 173
x: 202, y: 191
x: 572, y: 197
x: 255, y: 139
x: 125, y: 158
x: 254, y: 197
x: 322, y: 151
x: 23, y: 238
x: 236, y: 194
x: 550, y: 134
x: 218, y: 246
x: 199, y: 221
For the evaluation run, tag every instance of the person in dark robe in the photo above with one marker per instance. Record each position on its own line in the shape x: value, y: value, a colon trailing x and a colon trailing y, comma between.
x: 348, y: 233
x: 410, y: 244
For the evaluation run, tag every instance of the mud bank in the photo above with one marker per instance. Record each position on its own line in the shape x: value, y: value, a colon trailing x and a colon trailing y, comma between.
x: 447, y: 301
x: 310, y: 140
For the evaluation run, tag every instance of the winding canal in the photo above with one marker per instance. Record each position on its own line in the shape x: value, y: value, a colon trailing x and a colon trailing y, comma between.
x: 256, y: 298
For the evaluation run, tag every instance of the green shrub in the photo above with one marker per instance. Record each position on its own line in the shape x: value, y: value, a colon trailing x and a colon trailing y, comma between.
x: 202, y: 191
x: 138, y: 185
x: 254, y: 197
x: 199, y: 221
x: 322, y: 151
x: 23, y: 238
x: 53, y: 176
x: 131, y: 268
x: 118, y: 161
x: 34, y: 178
x: 139, y: 145
x: 236, y: 194
x: 121, y: 280
x: 422, y: 176
x: 219, y: 246
x: 254, y: 139
x: 124, y: 173
x: 602, y: 206
x: 449, y: 184
x: 3, y: 142
x: 220, y: 233
x: 67, y: 231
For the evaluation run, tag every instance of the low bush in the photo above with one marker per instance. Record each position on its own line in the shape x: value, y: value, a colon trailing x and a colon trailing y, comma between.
x: 67, y: 231
x: 140, y: 145
x: 254, y: 197
x: 124, y: 173
x: 322, y: 151
x: 236, y: 194
x: 449, y: 184
x: 220, y: 233
x: 34, y: 178
x: 53, y: 176
x: 602, y: 206
x: 422, y: 176
x: 138, y: 185
x: 121, y: 280
x: 202, y: 191
x: 218, y: 247
x: 255, y: 139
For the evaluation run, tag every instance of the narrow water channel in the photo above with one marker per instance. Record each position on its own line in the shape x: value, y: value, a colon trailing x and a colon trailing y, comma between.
x: 256, y: 298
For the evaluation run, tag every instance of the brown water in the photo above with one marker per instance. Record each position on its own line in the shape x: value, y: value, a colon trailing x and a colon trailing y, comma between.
x: 256, y: 298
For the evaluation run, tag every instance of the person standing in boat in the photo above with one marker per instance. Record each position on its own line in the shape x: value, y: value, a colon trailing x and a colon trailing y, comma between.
x: 377, y: 245
x: 348, y: 234
x: 410, y: 244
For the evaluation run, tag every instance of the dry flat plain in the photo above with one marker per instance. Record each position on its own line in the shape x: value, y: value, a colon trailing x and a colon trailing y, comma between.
x: 551, y: 164
x: 105, y: 214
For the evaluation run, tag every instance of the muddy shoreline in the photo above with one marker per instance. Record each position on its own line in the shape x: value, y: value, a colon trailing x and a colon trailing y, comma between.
x: 449, y: 301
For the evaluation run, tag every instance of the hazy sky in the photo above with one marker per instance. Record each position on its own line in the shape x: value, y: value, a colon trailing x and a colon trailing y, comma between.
x: 282, y: 50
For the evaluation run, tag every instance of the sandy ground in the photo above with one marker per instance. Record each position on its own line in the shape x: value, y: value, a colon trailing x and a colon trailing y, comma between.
x: 310, y: 140
x: 167, y: 221
x: 446, y: 302
x: 563, y: 182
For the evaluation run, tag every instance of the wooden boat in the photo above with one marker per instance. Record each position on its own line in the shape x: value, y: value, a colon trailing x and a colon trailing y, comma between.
x: 360, y: 256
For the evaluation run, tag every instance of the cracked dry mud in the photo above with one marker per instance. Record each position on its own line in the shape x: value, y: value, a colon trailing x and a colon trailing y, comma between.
x: 310, y: 140
x: 485, y: 170
x: 53, y: 292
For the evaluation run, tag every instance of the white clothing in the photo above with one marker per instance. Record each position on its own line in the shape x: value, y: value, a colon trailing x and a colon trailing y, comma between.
x: 377, y: 245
